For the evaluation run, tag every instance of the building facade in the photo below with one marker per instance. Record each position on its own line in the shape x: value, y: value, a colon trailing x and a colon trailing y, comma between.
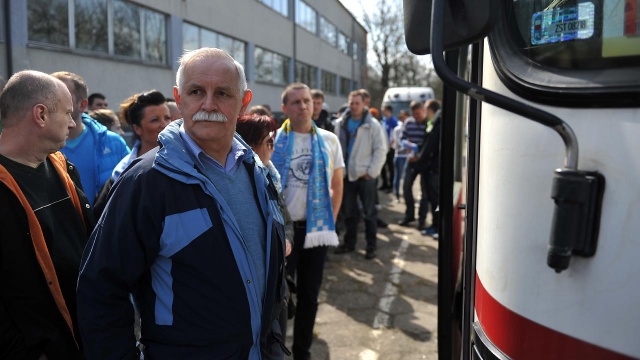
x: 122, y: 47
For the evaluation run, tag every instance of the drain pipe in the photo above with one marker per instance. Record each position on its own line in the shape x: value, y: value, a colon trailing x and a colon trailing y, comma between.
x: 8, y: 40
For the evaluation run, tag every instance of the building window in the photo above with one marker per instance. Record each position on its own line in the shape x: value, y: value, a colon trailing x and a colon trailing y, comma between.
x: 306, y: 16
x: 155, y: 37
x: 271, y: 67
x: 345, y: 86
x: 362, y: 55
x: 233, y: 47
x: 328, y: 82
x: 126, y: 26
x: 355, y: 51
x: 208, y: 38
x: 281, y: 6
x: 190, y: 36
x: 328, y: 31
x: 195, y: 37
x: 343, y: 43
x: 49, y: 21
x: 91, y: 25
x: 307, y: 74
x: 138, y: 33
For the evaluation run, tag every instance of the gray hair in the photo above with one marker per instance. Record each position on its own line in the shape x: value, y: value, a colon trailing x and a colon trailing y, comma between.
x: 24, y: 90
x: 208, y: 52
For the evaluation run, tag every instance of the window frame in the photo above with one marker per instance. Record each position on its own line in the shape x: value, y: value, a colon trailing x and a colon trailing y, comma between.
x: 302, y: 11
x: 312, y: 73
x: 333, y: 42
x: 608, y: 87
x: 237, y: 50
x: 271, y: 59
x: 344, y: 91
x: 71, y: 44
x: 276, y: 4
x: 323, y: 86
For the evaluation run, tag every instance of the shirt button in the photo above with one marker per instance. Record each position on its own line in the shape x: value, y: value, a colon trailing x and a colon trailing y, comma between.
x: 248, y: 281
x: 70, y: 167
x: 87, y: 206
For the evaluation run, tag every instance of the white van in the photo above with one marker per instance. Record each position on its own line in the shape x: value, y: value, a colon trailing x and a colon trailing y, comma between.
x: 400, y: 97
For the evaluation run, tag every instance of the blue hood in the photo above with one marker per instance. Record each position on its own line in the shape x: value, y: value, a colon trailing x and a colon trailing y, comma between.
x: 96, y: 128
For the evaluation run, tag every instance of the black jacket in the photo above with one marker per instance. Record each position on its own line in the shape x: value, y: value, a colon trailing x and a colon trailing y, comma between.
x: 34, y: 318
x: 429, y: 156
x: 324, y: 121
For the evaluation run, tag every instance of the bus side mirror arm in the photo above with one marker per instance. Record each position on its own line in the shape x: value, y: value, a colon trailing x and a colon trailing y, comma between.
x: 577, y: 194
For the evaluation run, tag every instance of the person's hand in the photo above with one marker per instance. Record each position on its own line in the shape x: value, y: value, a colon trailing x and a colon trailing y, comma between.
x: 287, y: 249
x: 412, y: 159
x: 366, y: 177
x: 43, y: 357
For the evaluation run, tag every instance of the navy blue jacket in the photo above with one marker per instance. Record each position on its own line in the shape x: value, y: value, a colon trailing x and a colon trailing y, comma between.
x: 168, y: 237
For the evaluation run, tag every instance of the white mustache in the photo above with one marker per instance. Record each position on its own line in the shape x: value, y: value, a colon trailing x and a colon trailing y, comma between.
x: 206, y: 116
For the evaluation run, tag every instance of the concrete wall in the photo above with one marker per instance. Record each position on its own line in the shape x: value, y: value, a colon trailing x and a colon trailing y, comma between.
x: 116, y: 80
x: 246, y: 20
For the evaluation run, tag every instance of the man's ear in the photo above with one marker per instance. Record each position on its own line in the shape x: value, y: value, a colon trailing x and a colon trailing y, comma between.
x: 83, y: 105
x: 39, y: 114
x: 246, y: 99
x: 176, y: 96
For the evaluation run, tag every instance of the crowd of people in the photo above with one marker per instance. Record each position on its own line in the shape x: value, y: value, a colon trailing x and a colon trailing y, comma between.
x: 200, y: 232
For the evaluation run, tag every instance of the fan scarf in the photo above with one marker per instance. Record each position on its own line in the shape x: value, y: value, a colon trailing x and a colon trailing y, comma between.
x: 321, y: 229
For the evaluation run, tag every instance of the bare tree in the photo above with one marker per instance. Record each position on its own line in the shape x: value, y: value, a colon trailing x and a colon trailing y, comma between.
x: 395, y: 65
x: 387, y: 37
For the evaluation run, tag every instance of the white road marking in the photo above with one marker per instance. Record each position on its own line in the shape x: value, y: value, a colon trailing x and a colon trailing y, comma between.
x: 390, y: 289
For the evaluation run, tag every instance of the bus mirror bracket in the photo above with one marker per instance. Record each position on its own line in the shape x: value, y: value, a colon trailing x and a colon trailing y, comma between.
x: 577, y: 194
x: 576, y: 218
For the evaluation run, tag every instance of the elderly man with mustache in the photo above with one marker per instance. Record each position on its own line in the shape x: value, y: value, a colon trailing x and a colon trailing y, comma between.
x: 194, y: 232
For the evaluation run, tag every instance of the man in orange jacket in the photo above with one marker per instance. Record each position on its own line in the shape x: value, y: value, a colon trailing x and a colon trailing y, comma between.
x: 45, y: 221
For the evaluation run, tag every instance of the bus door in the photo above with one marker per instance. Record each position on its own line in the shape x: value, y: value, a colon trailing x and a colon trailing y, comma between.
x: 550, y: 256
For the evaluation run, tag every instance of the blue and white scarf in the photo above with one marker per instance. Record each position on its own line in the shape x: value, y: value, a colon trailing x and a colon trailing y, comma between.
x: 321, y: 229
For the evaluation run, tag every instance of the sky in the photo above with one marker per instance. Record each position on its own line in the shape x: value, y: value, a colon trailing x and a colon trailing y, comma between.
x: 354, y: 6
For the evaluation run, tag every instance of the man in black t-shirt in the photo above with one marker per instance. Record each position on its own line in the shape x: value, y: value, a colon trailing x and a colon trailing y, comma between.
x: 45, y: 221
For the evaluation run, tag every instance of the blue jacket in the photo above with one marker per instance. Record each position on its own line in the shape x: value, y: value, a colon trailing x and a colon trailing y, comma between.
x: 110, y: 148
x: 168, y: 237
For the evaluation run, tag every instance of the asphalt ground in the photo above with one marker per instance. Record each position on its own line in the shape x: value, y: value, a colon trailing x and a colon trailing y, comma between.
x: 385, y: 308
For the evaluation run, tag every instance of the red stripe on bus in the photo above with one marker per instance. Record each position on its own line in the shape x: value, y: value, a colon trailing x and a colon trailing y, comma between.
x: 630, y: 17
x: 522, y: 339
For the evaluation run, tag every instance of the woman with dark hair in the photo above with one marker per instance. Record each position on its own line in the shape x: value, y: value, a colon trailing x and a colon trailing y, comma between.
x: 148, y: 114
x: 258, y: 131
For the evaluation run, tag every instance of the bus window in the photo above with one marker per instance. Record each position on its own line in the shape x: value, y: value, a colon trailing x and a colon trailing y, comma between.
x: 586, y: 48
x: 586, y: 34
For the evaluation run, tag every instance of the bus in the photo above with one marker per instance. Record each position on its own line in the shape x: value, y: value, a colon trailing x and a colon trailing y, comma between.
x: 400, y: 97
x: 540, y: 121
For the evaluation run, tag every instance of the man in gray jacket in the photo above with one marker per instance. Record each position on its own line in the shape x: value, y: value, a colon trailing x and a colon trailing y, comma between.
x: 364, y: 147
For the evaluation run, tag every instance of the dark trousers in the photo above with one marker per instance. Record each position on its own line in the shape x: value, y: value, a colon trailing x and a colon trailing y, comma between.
x: 407, y: 188
x: 365, y: 190
x: 430, y: 182
x: 306, y: 267
x: 388, y: 170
